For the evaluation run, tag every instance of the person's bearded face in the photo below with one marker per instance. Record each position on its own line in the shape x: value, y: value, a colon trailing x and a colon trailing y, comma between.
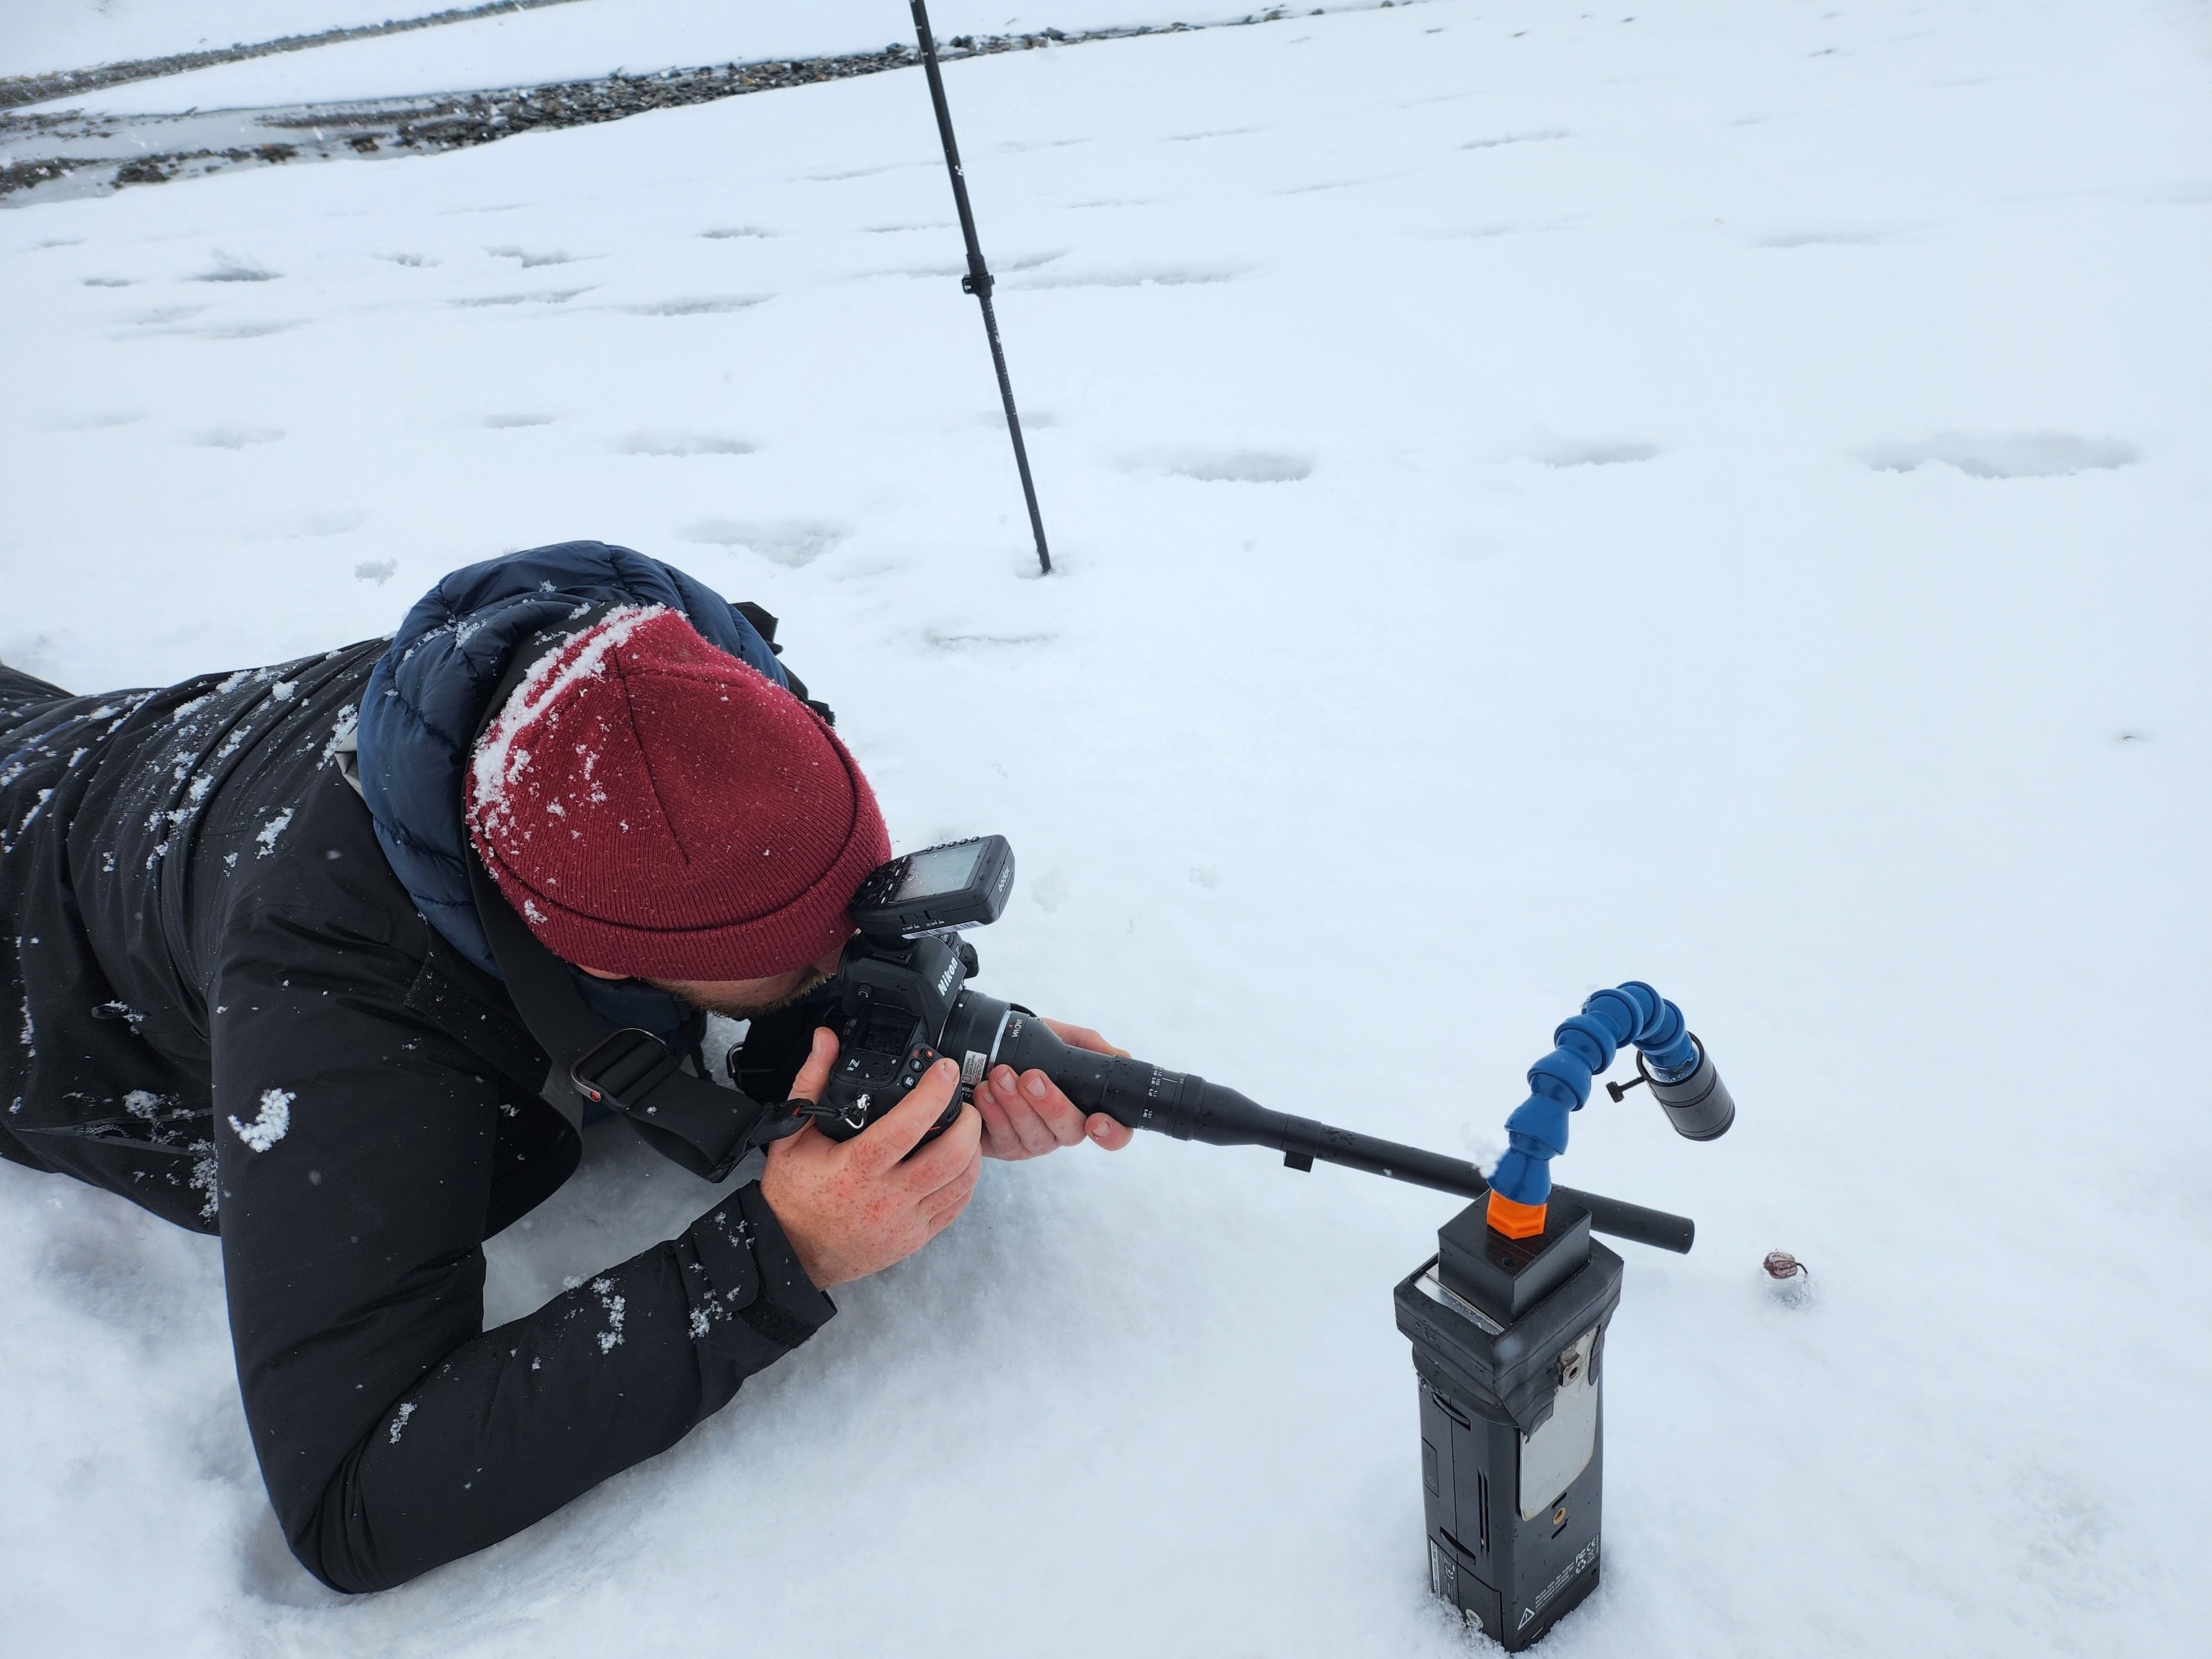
x: 744, y: 998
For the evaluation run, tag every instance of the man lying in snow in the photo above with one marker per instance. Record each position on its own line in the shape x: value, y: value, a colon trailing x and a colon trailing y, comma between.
x: 257, y: 998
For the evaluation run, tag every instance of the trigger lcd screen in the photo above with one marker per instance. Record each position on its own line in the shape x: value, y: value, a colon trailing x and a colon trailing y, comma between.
x: 939, y: 870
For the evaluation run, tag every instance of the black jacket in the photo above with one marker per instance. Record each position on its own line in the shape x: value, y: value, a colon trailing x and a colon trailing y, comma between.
x: 232, y: 1012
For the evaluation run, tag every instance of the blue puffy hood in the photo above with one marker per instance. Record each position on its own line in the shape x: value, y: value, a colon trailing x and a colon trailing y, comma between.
x: 427, y: 696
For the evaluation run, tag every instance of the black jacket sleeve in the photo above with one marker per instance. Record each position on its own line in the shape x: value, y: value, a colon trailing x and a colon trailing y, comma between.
x: 355, y: 1148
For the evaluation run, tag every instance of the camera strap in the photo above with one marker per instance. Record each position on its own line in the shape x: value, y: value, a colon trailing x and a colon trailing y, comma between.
x: 700, y: 1125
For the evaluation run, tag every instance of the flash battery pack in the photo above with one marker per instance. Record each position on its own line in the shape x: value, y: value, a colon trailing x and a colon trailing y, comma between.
x: 1509, y: 1348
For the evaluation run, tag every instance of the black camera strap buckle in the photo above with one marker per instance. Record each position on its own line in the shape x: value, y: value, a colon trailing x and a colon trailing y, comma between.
x: 622, y: 1068
x: 701, y: 1126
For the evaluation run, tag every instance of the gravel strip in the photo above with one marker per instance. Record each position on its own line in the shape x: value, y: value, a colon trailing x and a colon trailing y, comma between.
x: 96, y: 155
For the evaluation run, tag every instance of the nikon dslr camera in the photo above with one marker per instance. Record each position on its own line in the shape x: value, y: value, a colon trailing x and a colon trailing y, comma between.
x: 904, y: 977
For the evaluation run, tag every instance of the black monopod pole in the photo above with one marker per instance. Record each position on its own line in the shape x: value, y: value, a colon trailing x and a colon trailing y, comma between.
x: 977, y: 282
x: 1144, y: 1096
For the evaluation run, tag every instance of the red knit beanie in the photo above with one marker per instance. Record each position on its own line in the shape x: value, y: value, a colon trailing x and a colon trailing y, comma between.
x: 655, y: 808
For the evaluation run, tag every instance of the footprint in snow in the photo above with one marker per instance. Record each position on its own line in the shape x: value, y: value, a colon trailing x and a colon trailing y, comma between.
x: 247, y: 330
x: 946, y: 640
x: 513, y: 423
x: 165, y: 321
x: 1235, y: 465
x: 530, y: 261
x: 1572, y: 453
x: 664, y: 443
x: 701, y: 307
x: 791, y: 543
x: 736, y: 233
x: 236, y: 437
x: 1550, y: 136
x: 1339, y: 183
x: 862, y: 173
x: 163, y: 314
x: 2005, y: 455
x: 1050, y: 890
x: 923, y: 271
x: 1170, y: 277
x: 229, y: 269
x: 553, y: 296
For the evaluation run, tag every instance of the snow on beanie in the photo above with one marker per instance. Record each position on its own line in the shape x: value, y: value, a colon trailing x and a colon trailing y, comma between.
x: 655, y: 808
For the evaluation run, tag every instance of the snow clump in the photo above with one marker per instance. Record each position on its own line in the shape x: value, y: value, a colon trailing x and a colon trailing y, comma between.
x: 270, y: 830
x: 498, y: 762
x: 274, y: 1121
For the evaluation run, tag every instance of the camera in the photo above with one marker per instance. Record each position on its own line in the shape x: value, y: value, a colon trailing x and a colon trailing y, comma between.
x: 904, y: 1002
x: 904, y: 979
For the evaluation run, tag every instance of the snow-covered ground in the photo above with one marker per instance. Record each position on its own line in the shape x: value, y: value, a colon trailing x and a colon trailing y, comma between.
x: 1540, y: 500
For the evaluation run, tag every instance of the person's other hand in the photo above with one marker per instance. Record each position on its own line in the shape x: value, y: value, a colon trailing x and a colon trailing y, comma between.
x: 851, y: 1208
x: 1028, y: 1116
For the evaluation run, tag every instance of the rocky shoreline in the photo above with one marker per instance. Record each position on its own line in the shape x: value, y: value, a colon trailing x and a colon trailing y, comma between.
x: 96, y: 155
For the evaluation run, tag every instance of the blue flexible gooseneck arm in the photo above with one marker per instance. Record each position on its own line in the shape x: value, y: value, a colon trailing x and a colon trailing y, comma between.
x: 1560, y: 1083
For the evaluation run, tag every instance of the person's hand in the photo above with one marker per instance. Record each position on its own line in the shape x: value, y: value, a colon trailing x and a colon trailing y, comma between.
x: 1028, y: 1116
x: 852, y: 1208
